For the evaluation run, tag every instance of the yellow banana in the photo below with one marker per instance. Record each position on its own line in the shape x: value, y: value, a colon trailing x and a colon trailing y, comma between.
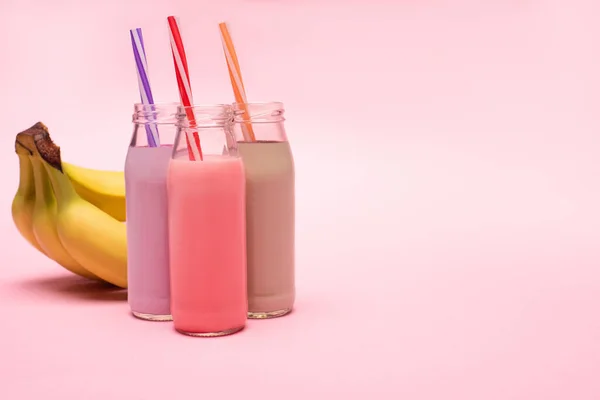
x: 24, y: 200
x: 94, y: 238
x: 104, y: 189
x: 44, y: 222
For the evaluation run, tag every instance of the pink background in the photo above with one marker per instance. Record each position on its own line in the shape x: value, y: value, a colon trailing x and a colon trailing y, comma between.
x: 447, y: 179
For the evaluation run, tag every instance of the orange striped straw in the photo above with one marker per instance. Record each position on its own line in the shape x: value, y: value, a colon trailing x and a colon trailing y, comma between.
x: 235, y: 75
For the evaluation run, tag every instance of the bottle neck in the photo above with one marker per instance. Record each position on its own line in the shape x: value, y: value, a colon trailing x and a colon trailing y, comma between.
x: 195, y: 143
x: 259, y: 122
x: 204, y: 130
x: 154, y: 125
x: 259, y: 131
x: 153, y: 135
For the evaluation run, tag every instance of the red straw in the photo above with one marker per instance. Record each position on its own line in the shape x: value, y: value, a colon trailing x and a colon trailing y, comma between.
x: 183, y: 81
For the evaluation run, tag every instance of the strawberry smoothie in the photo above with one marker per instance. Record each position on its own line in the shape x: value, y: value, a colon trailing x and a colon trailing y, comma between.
x: 206, y: 203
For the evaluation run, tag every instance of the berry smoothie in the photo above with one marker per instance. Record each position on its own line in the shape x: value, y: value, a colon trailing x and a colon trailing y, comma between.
x: 207, y: 228
x: 147, y: 232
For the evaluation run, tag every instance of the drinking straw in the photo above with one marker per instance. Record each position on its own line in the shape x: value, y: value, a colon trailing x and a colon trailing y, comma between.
x: 139, y: 53
x: 185, y: 91
x: 235, y: 75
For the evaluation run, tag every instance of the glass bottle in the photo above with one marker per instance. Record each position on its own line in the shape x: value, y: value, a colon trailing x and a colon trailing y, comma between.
x: 207, y: 225
x: 270, y: 207
x: 146, y: 169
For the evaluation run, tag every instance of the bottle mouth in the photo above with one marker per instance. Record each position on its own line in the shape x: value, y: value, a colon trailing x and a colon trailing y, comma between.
x: 157, y: 113
x: 204, y: 115
x: 208, y: 114
x: 258, y: 112
x: 261, y: 104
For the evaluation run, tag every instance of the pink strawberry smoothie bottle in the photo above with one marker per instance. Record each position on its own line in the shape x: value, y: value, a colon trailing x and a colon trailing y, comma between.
x: 146, y: 169
x: 270, y: 207
x: 207, y: 225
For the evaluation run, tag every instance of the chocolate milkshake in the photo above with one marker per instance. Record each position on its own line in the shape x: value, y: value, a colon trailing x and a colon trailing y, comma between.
x: 270, y: 227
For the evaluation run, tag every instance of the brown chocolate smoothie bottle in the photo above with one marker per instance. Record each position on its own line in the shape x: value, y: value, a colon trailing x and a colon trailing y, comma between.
x: 270, y: 207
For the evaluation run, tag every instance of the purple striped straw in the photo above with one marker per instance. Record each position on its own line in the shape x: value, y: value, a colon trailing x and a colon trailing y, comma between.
x: 143, y: 83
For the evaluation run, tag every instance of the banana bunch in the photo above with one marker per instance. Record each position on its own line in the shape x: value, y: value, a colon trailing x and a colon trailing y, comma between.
x: 73, y: 215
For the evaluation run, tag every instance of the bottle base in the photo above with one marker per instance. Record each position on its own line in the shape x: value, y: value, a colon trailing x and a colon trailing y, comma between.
x: 269, y: 314
x: 211, y: 334
x: 153, y: 317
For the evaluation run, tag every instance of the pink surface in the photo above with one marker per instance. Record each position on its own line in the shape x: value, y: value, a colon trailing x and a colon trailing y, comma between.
x: 447, y: 180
